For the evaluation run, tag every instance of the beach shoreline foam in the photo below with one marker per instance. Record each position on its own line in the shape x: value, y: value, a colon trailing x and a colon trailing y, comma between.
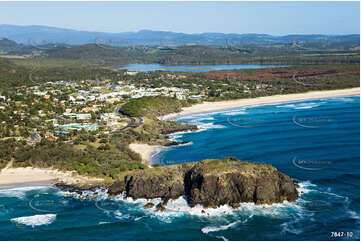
x: 22, y: 175
x: 146, y: 151
x: 206, y: 107
x: 11, y: 176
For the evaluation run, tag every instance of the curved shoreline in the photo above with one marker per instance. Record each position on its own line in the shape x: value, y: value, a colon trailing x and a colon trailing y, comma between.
x: 10, y: 176
x: 267, y: 100
x: 22, y: 175
x: 207, y: 107
x: 145, y: 151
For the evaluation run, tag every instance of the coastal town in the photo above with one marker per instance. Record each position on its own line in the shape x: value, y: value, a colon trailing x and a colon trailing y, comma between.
x: 63, y: 108
x: 66, y: 109
x: 179, y: 121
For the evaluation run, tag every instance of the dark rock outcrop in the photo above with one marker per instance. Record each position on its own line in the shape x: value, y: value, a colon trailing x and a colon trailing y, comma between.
x: 173, y: 143
x: 260, y: 186
x: 210, y: 183
x: 160, y: 207
x: 152, y: 183
x: 182, y: 128
x: 149, y: 205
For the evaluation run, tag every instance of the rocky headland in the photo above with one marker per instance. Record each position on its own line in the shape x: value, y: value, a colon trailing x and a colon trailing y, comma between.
x: 210, y: 183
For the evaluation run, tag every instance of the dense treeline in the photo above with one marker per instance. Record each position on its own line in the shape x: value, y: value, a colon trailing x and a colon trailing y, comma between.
x: 107, y: 160
x: 153, y: 106
x: 30, y: 72
x: 204, y: 55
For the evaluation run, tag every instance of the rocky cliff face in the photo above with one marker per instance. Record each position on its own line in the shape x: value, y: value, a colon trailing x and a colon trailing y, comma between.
x: 181, y: 128
x: 210, y: 183
x: 152, y: 183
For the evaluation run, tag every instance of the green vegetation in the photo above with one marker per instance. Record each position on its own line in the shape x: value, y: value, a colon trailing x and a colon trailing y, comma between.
x: 34, y: 71
x: 198, y: 54
x: 35, y: 100
x: 214, y: 166
x: 88, y: 161
x: 153, y: 106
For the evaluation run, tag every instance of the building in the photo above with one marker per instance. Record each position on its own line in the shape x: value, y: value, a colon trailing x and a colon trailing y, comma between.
x: 83, y: 116
x: 109, y: 117
x: 131, y: 73
x: 88, y: 109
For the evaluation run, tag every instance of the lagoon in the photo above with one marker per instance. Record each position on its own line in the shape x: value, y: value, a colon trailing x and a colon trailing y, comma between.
x: 191, y: 68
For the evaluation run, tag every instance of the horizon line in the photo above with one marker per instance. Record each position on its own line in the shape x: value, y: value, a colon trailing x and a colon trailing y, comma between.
x: 176, y: 32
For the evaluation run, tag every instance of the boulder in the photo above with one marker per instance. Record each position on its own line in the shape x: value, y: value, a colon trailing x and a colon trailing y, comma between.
x: 160, y: 207
x: 149, y: 205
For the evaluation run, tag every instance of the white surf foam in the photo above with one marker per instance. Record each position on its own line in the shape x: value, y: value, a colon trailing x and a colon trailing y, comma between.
x: 97, y: 194
x: 176, y: 136
x: 20, y: 192
x: 342, y: 99
x: 36, y: 220
x: 286, y: 106
x: 237, y: 112
x: 306, y: 187
x: 103, y: 223
x: 121, y: 216
x: 180, y: 207
x: 209, y: 229
x: 353, y: 214
x: 222, y: 237
x: 307, y: 105
x: 203, y: 119
x: 207, y: 126
x: 199, y: 115
x: 289, y: 228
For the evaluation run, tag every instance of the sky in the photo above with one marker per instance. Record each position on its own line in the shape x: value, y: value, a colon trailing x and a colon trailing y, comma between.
x: 275, y: 18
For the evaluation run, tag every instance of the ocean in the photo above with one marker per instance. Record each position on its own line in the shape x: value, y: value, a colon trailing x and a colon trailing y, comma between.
x: 316, y: 142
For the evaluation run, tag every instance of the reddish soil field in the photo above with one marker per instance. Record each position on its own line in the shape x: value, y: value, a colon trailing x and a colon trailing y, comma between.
x: 273, y: 74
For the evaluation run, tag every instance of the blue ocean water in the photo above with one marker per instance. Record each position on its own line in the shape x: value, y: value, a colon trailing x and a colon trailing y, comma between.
x: 316, y: 142
x: 192, y: 68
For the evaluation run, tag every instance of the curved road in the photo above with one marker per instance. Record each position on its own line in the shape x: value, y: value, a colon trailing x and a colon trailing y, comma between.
x: 133, y: 122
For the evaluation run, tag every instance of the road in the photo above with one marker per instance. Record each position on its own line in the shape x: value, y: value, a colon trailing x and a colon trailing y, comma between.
x: 133, y: 121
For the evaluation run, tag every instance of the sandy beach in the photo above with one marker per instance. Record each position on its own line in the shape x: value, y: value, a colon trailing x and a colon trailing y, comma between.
x: 216, y: 106
x: 10, y: 176
x: 146, y: 151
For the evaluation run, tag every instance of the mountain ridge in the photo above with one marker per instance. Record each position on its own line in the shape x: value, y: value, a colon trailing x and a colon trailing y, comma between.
x: 39, y: 34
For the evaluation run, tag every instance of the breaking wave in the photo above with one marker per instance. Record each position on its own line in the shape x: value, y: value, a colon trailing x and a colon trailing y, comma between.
x: 307, y: 105
x: 36, y: 220
x: 209, y: 229
x: 20, y: 191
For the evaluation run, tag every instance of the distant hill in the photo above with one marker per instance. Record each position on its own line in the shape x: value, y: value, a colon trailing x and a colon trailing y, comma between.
x: 42, y: 35
x: 11, y: 47
x: 197, y: 54
x: 11, y: 74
